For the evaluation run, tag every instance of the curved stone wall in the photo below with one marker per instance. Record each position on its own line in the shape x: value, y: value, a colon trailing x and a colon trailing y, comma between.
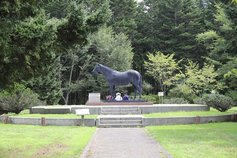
x: 145, y: 109
x: 93, y: 122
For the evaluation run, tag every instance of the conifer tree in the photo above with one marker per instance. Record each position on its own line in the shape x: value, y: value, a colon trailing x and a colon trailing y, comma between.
x: 123, y: 16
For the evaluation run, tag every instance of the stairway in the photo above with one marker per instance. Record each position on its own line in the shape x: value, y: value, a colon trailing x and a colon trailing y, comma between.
x: 120, y: 110
x: 106, y: 121
x: 114, y: 117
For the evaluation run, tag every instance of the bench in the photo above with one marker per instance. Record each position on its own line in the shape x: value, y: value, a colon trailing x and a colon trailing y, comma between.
x: 82, y: 113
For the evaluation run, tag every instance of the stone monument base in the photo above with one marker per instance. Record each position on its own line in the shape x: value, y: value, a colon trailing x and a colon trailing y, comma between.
x: 93, y: 98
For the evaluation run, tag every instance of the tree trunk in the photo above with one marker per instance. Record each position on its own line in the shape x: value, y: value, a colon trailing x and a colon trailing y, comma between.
x: 70, y: 81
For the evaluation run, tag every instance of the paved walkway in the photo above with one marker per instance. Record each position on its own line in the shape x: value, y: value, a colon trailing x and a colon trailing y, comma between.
x: 123, y: 143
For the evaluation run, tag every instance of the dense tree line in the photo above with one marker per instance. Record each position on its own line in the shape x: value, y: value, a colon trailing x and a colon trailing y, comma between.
x: 200, y: 31
x: 51, y: 46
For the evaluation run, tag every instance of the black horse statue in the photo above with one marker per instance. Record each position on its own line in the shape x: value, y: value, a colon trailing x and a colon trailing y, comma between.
x: 116, y: 78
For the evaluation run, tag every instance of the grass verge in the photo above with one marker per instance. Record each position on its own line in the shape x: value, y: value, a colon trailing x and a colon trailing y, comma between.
x: 191, y: 113
x: 26, y: 141
x: 214, y: 140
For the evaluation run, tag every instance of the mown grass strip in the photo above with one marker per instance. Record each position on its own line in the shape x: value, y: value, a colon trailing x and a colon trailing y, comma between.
x: 198, y: 141
x: 212, y: 112
x: 50, y: 141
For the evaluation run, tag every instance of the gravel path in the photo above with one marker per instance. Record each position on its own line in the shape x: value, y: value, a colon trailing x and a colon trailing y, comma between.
x: 123, y: 143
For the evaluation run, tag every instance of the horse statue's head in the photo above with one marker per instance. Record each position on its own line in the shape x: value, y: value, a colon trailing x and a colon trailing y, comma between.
x: 97, y: 69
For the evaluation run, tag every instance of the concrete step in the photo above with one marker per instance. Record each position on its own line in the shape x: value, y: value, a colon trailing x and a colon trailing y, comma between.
x: 120, y: 110
x: 119, y: 125
x: 107, y: 121
x: 121, y: 122
x: 120, y: 113
x: 121, y: 118
x: 118, y: 107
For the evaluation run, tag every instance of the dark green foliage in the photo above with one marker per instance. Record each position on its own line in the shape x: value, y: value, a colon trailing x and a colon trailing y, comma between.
x: 123, y: 16
x: 142, y: 41
x: 18, y: 98
x: 74, y: 29
x: 151, y: 98
x: 199, y: 100
x: 45, y: 45
x: 175, y: 101
x: 218, y: 101
x: 80, y: 22
x: 76, y: 64
x: 27, y: 45
x: 173, y: 26
x: 169, y: 26
x: 48, y: 86
x: 182, y: 91
x: 228, y: 77
x: 35, y: 34
x: 220, y: 37
x: 19, y: 8
x: 146, y: 88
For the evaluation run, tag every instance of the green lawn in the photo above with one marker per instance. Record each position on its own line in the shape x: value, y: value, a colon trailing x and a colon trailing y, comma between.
x: 192, y: 113
x: 25, y: 141
x: 214, y: 140
x: 26, y: 113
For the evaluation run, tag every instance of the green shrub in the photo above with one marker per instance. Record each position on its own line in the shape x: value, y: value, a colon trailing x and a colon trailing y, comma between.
x: 146, y: 87
x: 17, y: 98
x: 218, y: 101
x: 175, y: 101
x: 233, y: 95
x: 182, y: 91
x: 199, y: 100
x: 151, y: 98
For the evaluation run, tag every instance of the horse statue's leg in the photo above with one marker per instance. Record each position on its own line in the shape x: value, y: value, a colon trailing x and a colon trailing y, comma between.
x: 137, y: 89
x: 140, y: 94
x: 112, y: 90
x: 135, y: 92
x: 140, y: 87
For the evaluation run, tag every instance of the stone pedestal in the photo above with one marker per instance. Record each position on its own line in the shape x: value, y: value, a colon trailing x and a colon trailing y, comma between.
x: 94, y: 98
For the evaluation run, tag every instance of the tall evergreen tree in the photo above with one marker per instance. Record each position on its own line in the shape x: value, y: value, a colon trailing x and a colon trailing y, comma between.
x: 31, y: 38
x: 221, y: 40
x: 177, y: 24
x: 169, y: 26
x: 123, y: 16
x: 48, y: 86
x: 143, y: 40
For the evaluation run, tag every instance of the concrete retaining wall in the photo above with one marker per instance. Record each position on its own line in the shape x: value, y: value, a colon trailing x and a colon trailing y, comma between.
x: 94, y: 122
x: 50, y: 110
x: 173, y: 107
x: 47, y: 121
x: 93, y: 110
x: 26, y: 121
x: 70, y: 122
x: 188, y: 120
x: 145, y: 109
